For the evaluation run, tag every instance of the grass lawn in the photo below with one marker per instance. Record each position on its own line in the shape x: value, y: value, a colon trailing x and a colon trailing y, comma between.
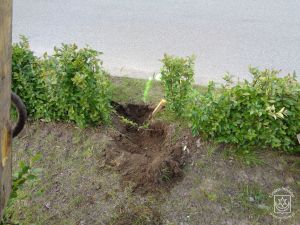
x: 159, y: 174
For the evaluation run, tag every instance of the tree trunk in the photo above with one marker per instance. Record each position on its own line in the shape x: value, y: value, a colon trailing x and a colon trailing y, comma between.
x: 5, y: 93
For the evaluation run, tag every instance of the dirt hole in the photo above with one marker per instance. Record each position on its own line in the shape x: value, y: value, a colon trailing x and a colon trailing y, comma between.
x: 144, y: 155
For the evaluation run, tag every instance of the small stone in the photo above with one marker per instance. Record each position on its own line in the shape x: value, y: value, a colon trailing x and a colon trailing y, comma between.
x: 263, y: 206
x: 47, y: 205
x: 251, y: 199
x: 198, y: 144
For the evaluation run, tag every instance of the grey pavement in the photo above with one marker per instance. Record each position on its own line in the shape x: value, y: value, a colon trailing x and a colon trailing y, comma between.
x: 225, y: 35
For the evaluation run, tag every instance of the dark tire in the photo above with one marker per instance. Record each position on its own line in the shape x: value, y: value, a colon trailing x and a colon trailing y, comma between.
x: 22, y: 114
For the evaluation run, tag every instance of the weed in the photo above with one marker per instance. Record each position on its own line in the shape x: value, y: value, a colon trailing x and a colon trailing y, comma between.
x: 136, y: 214
x: 128, y: 122
x: 166, y: 174
x: 200, y: 163
x: 133, y: 124
x: 25, y: 174
x: 211, y: 149
x: 253, y: 198
x: 247, y: 157
x: 211, y: 196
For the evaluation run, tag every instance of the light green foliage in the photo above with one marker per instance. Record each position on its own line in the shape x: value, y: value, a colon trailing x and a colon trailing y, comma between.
x: 264, y: 112
x: 27, y: 81
x: 133, y: 124
x: 177, y: 76
x: 80, y: 88
x: 128, y: 122
x: 70, y: 85
x: 25, y: 174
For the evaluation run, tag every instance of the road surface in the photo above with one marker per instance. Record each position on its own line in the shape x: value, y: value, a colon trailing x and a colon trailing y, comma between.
x: 225, y: 35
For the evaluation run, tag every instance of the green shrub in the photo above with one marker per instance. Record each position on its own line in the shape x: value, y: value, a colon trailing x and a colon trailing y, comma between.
x: 177, y: 76
x: 26, y: 79
x: 80, y: 88
x: 70, y: 85
x: 264, y: 112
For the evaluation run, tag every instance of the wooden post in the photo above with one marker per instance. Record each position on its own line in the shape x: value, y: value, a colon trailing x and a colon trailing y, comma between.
x: 5, y: 95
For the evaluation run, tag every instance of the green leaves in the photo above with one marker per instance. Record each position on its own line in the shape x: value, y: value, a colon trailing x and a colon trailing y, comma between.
x: 177, y: 76
x: 82, y: 88
x: 26, y: 79
x: 70, y: 85
x: 25, y: 174
x: 264, y: 112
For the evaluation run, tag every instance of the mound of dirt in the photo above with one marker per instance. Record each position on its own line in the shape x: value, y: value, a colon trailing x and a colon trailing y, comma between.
x: 145, y: 156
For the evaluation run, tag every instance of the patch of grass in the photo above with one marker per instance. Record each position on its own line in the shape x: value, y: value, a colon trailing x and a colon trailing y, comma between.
x: 200, y: 163
x: 254, y: 199
x: 77, y: 200
x: 88, y: 152
x: 196, y: 195
x: 74, y: 185
x: 168, y: 116
x: 294, y: 166
x: 177, y: 134
x: 211, y: 196
x: 211, y: 149
x: 166, y: 174
x: 249, y: 158
x: 171, y: 118
x: 135, y: 212
x: 131, y: 90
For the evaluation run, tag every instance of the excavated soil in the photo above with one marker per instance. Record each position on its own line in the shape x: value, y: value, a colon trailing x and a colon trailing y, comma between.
x: 146, y: 157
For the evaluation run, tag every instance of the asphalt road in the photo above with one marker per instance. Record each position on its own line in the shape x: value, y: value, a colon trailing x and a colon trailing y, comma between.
x: 225, y: 35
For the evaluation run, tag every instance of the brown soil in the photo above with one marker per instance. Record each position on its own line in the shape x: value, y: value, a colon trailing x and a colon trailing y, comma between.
x: 146, y: 157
